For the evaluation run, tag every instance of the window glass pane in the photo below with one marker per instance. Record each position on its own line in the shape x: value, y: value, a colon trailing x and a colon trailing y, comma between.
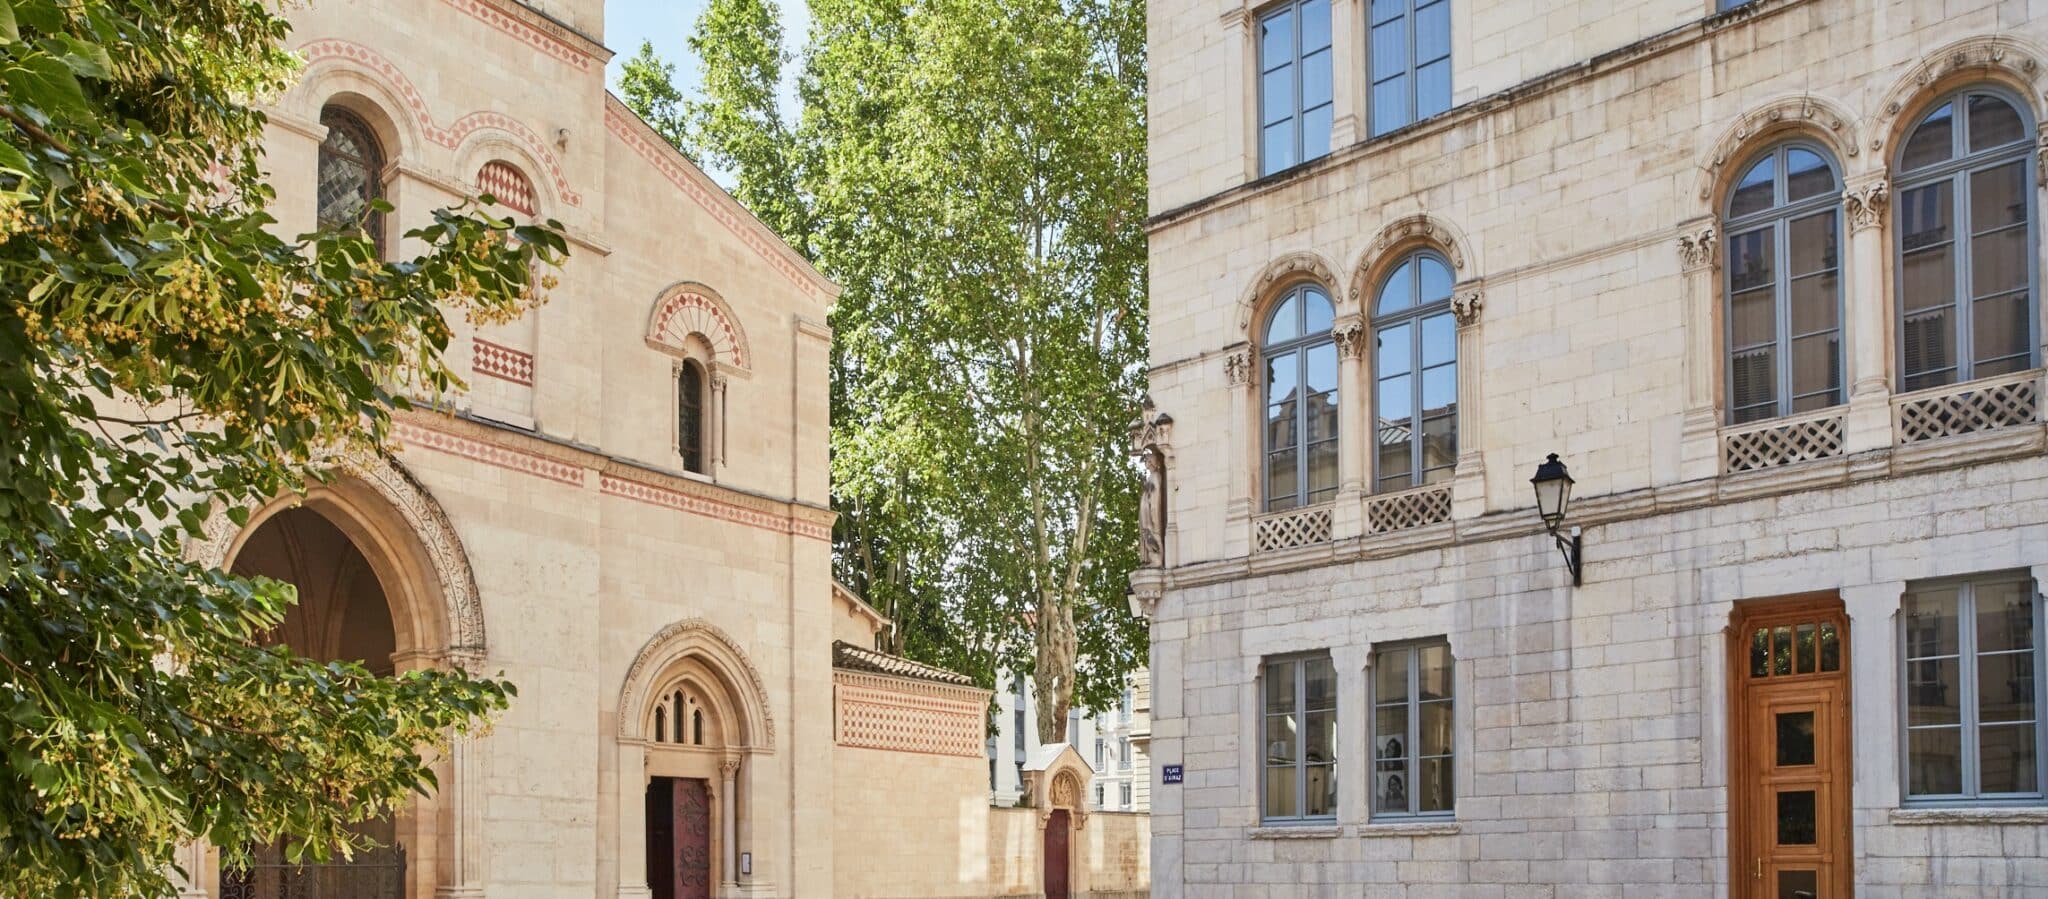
x: 1804, y: 649
x: 1813, y: 244
x: 1816, y: 303
x: 2005, y: 616
x: 1320, y: 739
x: 1931, y: 623
x: 1315, y: 25
x: 1433, y: 787
x: 1928, y: 342
x: 1433, y: 732
x: 1796, y: 817
x: 1816, y: 371
x: 1398, y: 291
x: 1282, y: 480
x: 1280, y: 793
x: 1433, y: 88
x: 1750, y: 260
x: 1279, y: 679
x: 1998, y: 197
x: 1322, y: 472
x: 1753, y: 376
x: 1322, y: 684
x: 1315, y: 310
x: 1276, y: 95
x: 1276, y: 39
x: 1932, y: 141
x: 1394, y: 355
x: 1383, y: 10
x: 1390, y: 732
x: 1930, y: 279
x: 1390, y: 105
x: 1322, y: 790
x: 1933, y: 692
x: 1993, y: 122
x: 1794, y: 884
x: 1924, y: 215
x: 1315, y: 79
x: 2005, y: 687
x: 1830, y: 647
x: 1757, y: 191
x: 2006, y: 756
x: 1432, y: 31
x: 1315, y: 133
x: 1999, y: 327
x: 1436, y: 280
x: 1390, y: 787
x: 1389, y: 49
x: 1439, y: 389
x: 1753, y: 318
x: 1998, y: 262
x: 1935, y: 761
x: 1280, y: 737
x: 1806, y: 175
x: 1390, y: 676
x: 1760, y: 653
x: 1434, y: 679
x: 1320, y: 364
x: 1281, y: 372
x: 1278, y: 144
x: 1781, y: 650
x: 1795, y: 738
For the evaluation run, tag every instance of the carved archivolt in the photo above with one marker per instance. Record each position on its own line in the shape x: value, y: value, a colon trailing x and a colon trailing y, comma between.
x: 1996, y: 58
x: 1819, y: 118
x: 690, y: 309
x: 695, y: 638
x: 1300, y: 266
x: 423, y: 520
x: 1421, y: 228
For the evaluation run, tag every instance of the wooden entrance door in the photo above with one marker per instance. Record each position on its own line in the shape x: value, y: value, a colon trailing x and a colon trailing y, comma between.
x: 1790, y: 746
x: 1056, y: 854
x: 679, y: 838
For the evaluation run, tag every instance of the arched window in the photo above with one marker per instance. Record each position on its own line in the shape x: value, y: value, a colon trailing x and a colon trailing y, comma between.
x: 1784, y: 285
x: 1301, y: 400
x: 351, y: 164
x: 690, y: 415
x: 1416, y: 373
x: 1966, y: 244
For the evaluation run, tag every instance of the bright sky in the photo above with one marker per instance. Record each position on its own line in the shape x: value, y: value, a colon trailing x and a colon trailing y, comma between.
x: 668, y: 23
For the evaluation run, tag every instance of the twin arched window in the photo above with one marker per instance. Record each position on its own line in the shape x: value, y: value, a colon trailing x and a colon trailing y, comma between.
x: 351, y: 170
x: 1301, y: 400
x: 691, y: 401
x: 1784, y: 285
x: 1966, y: 244
x: 1965, y: 270
x: 1415, y: 376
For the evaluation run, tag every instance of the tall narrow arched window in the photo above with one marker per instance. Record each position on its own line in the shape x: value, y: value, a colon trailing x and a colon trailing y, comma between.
x: 351, y: 169
x: 690, y: 415
x: 1301, y: 400
x: 1966, y: 242
x: 1416, y: 374
x: 1784, y: 285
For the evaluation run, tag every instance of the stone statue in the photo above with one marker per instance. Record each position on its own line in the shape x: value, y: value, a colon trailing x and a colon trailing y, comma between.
x: 1149, y: 436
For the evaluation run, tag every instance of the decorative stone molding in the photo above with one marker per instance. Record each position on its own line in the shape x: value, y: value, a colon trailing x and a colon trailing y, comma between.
x: 1815, y: 116
x: 897, y: 714
x: 687, y: 309
x: 1418, y: 228
x: 1297, y: 266
x: 424, y: 521
x: 1982, y: 405
x: 1350, y: 339
x: 1865, y: 204
x: 508, y: 185
x: 718, y: 651
x: 1998, y: 57
x: 1239, y: 368
x: 1467, y: 305
x: 502, y: 362
x: 1292, y: 528
x: 1408, y: 509
x: 1778, y: 442
x: 1696, y: 249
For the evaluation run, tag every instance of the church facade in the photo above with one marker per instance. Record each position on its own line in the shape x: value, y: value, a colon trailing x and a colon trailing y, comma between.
x: 1765, y: 278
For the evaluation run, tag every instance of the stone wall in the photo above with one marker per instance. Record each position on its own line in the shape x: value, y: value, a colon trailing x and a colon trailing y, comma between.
x: 1114, y: 850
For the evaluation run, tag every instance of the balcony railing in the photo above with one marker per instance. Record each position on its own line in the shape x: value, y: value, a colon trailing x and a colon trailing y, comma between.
x: 1783, y: 441
x: 1292, y: 528
x: 1967, y: 408
x: 1414, y: 508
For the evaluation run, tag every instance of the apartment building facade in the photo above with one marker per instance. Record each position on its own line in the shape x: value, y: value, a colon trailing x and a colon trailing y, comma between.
x: 1766, y: 278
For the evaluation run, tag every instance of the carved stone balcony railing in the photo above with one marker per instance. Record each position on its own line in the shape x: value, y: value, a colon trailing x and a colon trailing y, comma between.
x: 1292, y: 528
x: 1982, y: 405
x: 1408, y: 509
x: 1783, y: 441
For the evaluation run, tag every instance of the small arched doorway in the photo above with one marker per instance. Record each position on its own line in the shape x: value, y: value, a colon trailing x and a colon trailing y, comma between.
x: 1056, y: 780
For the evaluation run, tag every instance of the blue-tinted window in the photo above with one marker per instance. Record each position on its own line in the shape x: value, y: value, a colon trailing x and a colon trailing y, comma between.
x: 1408, y: 61
x: 1294, y: 85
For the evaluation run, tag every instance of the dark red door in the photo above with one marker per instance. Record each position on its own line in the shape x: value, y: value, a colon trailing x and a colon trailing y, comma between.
x: 693, y: 839
x: 1056, y: 855
x: 661, y: 838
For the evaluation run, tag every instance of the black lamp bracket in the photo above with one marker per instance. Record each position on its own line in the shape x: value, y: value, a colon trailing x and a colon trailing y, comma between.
x: 1569, y: 547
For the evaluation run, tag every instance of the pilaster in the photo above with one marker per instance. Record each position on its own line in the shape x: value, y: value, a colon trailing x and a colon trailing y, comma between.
x: 1699, y: 450
x: 1347, y: 517
x: 1468, y: 482
x: 1867, y: 308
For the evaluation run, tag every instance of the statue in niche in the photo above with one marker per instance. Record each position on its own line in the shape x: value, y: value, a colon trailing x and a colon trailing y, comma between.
x: 1148, y: 445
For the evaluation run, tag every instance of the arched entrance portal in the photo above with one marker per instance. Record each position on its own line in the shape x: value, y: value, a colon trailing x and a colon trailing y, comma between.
x: 381, y: 581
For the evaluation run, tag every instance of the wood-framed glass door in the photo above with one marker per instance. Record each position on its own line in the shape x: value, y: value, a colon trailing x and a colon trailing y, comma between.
x: 1789, y: 802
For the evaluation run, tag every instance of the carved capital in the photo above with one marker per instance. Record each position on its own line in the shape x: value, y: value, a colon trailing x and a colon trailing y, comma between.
x: 1696, y: 249
x: 729, y: 768
x: 1350, y: 338
x: 1466, y: 306
x: 1238, y: 367
x: 1865, y: 204
x: 718, y: 382
x: 2041, y: 164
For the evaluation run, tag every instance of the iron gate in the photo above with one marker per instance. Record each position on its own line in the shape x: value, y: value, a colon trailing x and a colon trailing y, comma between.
x: 375, y: 874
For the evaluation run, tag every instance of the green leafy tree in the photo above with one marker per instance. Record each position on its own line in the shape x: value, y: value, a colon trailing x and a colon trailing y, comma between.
x: 164, y: 354
x: 647, y: 84
x: 973, y: 174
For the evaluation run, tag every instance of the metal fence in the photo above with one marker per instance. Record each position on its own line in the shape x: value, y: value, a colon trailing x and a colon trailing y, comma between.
x: 375, y: 874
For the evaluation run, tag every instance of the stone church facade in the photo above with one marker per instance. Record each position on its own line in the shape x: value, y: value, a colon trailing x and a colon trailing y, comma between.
x: 625, y: 513
x: 1766, y: 277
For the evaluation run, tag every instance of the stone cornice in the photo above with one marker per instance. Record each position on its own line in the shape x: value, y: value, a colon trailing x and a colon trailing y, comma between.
x: 538, y: 30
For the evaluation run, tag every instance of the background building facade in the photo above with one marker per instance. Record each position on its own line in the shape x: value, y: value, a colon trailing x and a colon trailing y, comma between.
x: 1112, y: 743
x: 1766, y: 277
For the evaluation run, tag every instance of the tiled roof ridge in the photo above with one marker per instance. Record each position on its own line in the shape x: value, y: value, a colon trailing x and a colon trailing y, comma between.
x: 856, y: 658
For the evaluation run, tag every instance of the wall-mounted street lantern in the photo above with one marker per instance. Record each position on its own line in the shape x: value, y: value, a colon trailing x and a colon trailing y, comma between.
x: 1553, y: 493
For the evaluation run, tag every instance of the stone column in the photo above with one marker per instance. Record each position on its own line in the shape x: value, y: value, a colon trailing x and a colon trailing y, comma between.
x: 1239, y: 368
x: 728, y: 825
x: 1353, y: 439
x: 717, y: 436
x: 632, y: 849
x: 1866, y: 307
x: 1468, y: 482
x: 460, y: 806
x: 1347, y: 93
x: 1700, y: 445
x: 192, y: 857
